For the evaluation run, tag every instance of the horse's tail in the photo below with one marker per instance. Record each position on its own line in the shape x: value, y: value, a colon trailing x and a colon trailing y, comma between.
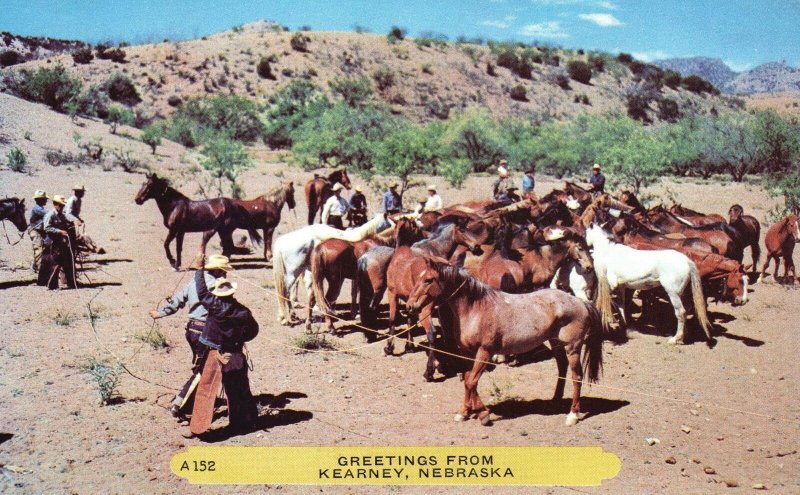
x: 699, y: 300
x: 279, y: 272
x: 318, y: 278
x: 593, y: 354
x: 365, y: 292
x: 311, y: 201
x: 603, y: 299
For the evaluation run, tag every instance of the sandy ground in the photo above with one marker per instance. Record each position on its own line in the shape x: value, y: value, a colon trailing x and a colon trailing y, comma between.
x: 736, y: 399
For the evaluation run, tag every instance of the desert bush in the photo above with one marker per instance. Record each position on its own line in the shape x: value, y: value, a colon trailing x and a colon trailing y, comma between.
x: 598, y: 62
x: 57, y: 158
x: 82, y: 55
x: 118, y: 115
x: 311, y: 342
x: 151, y: 136
x: 672, y: 79
x: 490, y: 70
x: 16, y: 159
x: 518, y: 93
x: 121, y: 89
x: 579, y: 71
x: 54, y: 87
x: 396, y: 34
x: 155, y: 338
x: 127, y: 160
x: 638, y: 106
x: 384, y: 78
x: 474, y: 136
x: 234, y: 116
x: 9, y: 58
x: 426, y: 69
x: 264, y: 69
x: 299, y: 42
x: 697, y: 84
x: 354, y: 92
x: 104, y: 51
x: 668, y: 110
x: 625, y: 58
x: 106, y: 379
x: 288, y: 109
x: 183, y: 130
x: 225, y: 159
x: 559, y: 78
x: 174, y: 101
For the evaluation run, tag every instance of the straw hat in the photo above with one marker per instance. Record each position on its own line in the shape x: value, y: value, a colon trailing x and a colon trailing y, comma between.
x: 596, y: 167
x: 78, y: 187
x: 358, y: 189
x: 503, y: 162
x: 337, y: 187
x: 393, y: 185
x: 218, y: 262
x: 432, y: 187
x: 39, y: 194
x: 224, y: 288
x: 59, y: 200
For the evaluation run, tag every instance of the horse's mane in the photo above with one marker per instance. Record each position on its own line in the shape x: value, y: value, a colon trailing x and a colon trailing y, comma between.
x: 277, y: 194
x: 639, y: 227
x: 551, y: 196
x: 459, y: 280
x: 575, y: 186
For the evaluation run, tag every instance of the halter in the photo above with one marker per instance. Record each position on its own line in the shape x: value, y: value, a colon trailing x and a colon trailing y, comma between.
x: 21, y: 234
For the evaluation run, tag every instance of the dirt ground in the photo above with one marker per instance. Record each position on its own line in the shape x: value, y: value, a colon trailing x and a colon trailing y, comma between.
x: 736, y: 400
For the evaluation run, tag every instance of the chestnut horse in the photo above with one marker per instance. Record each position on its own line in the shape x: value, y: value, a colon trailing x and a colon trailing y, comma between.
x: 265, y: 213
x: 634, y: 233
x: 182, y: 215
x: 727, y: 239
x: 488, y: 322
x: 695, y: 217
x: 780, y: 241
x: 318, y: 190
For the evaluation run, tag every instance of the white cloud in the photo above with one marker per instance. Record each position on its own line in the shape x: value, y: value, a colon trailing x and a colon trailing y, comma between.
x: 510, y: 18
x: 738, y: 66
x: 603, y: 20
x: 651, y: 55
x: 551, y: 29
x: 495, y: 24
x: 603, y: 4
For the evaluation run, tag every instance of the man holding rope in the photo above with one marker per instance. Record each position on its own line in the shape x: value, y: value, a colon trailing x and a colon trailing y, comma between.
x: 216, y: 267
x: 57, y: 269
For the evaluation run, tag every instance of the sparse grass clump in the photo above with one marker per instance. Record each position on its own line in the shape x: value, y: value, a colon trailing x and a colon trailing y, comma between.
x: 17, y: 161
x: 312, y: 342
x: 155, y: 338
x: 106, y: 378
x: 63, y: 317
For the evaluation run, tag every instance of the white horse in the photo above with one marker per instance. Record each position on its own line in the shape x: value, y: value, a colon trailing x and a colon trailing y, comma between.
x: 620, y: 266
x: 292, y: 255
x: 572, y: 278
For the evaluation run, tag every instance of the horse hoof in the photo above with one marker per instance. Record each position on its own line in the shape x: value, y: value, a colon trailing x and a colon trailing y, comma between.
x: 674, y: 341
x: 499, y: 358
x: 486, y: 419
x: 460, y: 418
x: 428, y: 377
x: 573, y: 418
x: 388, y: 351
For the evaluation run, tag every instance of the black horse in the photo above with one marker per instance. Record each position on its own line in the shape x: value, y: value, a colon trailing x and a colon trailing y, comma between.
x: 182, y: 215
x: 13, y: 210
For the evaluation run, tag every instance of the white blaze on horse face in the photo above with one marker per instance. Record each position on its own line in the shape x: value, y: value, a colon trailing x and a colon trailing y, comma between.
x: 573, y: 204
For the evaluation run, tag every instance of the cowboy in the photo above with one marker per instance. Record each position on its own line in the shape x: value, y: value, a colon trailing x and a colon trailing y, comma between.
x: 528, y: 181
x: 434, y: 201
x: 216, y: 267
x: 335, y: 208
x: 358, y: 208
x: 60, y: 243
x: 597, y: 180
x: 501, y: 185
x: 511, y: 194
x: 419, y: 209
x: 502, y: 168
x: 391, y: 201
x: 73, y: 213
x: 229, y: 325
x: 36, y: 229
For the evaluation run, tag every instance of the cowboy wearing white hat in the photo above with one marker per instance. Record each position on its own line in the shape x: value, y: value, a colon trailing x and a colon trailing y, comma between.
x: 391, y: 201
x: 358, y: 208
x: 501, y: 185
x: 59, y: 270
x: 597, y: 180
x: 502, y: 168
x: 36, y: 229
x: 72, y: 211
x: 434, y: 201
x: 216, y: 267
x: 336, y: 207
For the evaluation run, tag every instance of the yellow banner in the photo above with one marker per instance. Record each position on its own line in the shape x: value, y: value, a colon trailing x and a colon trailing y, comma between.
x: 396, y: 465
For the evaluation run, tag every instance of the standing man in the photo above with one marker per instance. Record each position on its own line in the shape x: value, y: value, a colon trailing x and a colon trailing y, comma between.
x: 59, y: 271
x: 335, y: 208
x: 598, y: 180
x: 434, y: 201
x: 391, y: 201
x: 358, y: 208
x: 229, y: 325
x: 501, y: 185
x: 502, y: 167
x: 528, y: 181
x: 216, y: 267
x: 36, y: 229
x: 72, y: 211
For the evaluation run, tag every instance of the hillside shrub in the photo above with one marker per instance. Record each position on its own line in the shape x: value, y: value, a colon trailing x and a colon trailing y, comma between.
x: 354, y: 92
x: 672, y: 79
x: 697, y: 84
x: 183, y: 130
x: 637, y: 107
x: 54, y: 87
x: 299, y: 42
x: 289, y: 108
x: 518, y: 93
x: 384, y: 78
x: 625, y: 58
x: 598, y: 63
x: 490, y: 70
x: 104, y: 51
x: 234, y: 116
x: 82, y: 55
x: 121, y: 89
x: 579, y: 71
x: 396, y: 34
x: 264, y: 69
x: 151, y: 136
x: 118, y: 115
x: 559, y: 78
x: 9, y: 58
x: 668, y: 110
x: 17, y: 161
x: 174, y: 101
x: 225, y: 159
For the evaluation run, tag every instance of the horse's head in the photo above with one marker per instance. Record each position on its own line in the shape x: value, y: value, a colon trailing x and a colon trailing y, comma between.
x: 578, y: 250
x: 677, y: 209
x: 427, y: 288
x: 596, y: 235
x: 17, y: 214
x: 344, y: 180
x: 735, y: 213
x: 289, y: 188
x: 791, y: 224
x: 734, y: 287
x: 153, y: 187
x: 467, y: 239
x: 481, y: 230
x: 406, y: 231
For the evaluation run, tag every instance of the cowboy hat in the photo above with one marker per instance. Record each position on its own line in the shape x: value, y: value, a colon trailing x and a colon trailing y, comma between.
x: 78, y: 187
x: 218, y: 262
x: 512, y: 188
x: 393, y: 185
x: 337, y: 187
x: 358, y: 189
x: 223, y: 287
x: 59, y: 200
x: 39, y: 194
x: 503, y: 162
x: 596, y: 167
x: 432, y: 187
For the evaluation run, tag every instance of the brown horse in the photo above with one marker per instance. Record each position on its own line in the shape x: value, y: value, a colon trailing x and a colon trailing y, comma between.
x: 695, y: 217
x: 488, y: 322
x: 584, y: 196
x: 725, y: 238
x: 749, y: 228
x: 318, y: 190
x: 182, y: 215
x: 780, y: 241
x: 633, y: 233
x: 264, y: 212
x: 13, y: 210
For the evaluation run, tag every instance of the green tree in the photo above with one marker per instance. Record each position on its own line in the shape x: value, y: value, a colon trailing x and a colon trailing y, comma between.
x: 297, y: 102
x: 118, y: 115
x: 55, y: 87
x: 354, y: 92
x: 235, y: 116
x: 473, y: 135
x: 408, y: 149
x: 225, y: 159
x: 152, y: 134
x: 637, y: 161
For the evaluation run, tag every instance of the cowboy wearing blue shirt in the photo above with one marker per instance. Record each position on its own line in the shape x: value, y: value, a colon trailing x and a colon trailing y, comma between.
x: 391, y: 201
x: 528, y: 181
x: 598, y: 180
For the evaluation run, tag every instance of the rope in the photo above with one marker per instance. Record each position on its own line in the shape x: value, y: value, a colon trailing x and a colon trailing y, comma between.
x: 21, y: 234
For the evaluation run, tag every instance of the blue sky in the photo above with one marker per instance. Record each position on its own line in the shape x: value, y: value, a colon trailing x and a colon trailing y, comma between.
x: 740, y: 32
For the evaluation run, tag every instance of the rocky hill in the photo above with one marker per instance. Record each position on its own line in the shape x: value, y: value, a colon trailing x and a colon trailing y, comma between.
x: 422, y: 79
x: 712, y: 70
x: 16, y: 49
x: 772, y: 77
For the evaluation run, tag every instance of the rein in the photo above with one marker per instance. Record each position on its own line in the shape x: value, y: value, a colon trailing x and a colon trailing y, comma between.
x: 21, y: 234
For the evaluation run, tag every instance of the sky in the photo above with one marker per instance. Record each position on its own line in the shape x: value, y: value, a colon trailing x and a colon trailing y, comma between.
x: 743, y: 33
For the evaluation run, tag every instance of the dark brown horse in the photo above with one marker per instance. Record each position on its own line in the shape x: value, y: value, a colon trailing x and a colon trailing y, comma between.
x: 632, y: 233
x: 725, y: 238
x: 695, y: 217
x: 264, y: 212
x: 182, y: 215
x: 780, y: 241
x: 318, y: 190
x: 749, y: 228
x: 486, y: 322
x: 13, y: 210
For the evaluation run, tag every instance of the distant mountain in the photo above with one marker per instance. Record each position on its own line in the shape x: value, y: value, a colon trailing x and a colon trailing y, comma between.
x: 712, y: 70
x: 15, y: 49
x: 772, y: 77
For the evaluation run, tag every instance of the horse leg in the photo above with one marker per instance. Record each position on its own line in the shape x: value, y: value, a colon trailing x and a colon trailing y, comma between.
x: 285, y: 314
x: 788, y: 266
x: 764, y: 267
x: 201, y: 254
x: 268, y: 244
x: 389, y: 349
x: 430, y: 367
x: 170, y: 236
x: 755, y: 252
x: 472, y: 401
x: 560, y: 355
x: 312, y: 300
x: 332, y: 294
x: 680, y: 315
x: 179, y: 247
x: 226, y: 241
x: 574, y: 358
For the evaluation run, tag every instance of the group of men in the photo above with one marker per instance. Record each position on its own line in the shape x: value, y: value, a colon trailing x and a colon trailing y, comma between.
x: 57, y: 234
x: 504, y: 190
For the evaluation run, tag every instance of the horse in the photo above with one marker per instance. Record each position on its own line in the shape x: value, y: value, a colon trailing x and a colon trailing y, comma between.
x: 318, y: 190
x: 695, y: 217
x: 292, y: 256
x: 727, y: 239
x: 634, y: 233
x: 182, y: 215
x: 584, y: 196
x: 780, y: 240
x: 620, y: 266
x: 265, y: 213
x: 630, y: 199
x: 13, y: 210
x: 486, y: 322
x: 749, y: 228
